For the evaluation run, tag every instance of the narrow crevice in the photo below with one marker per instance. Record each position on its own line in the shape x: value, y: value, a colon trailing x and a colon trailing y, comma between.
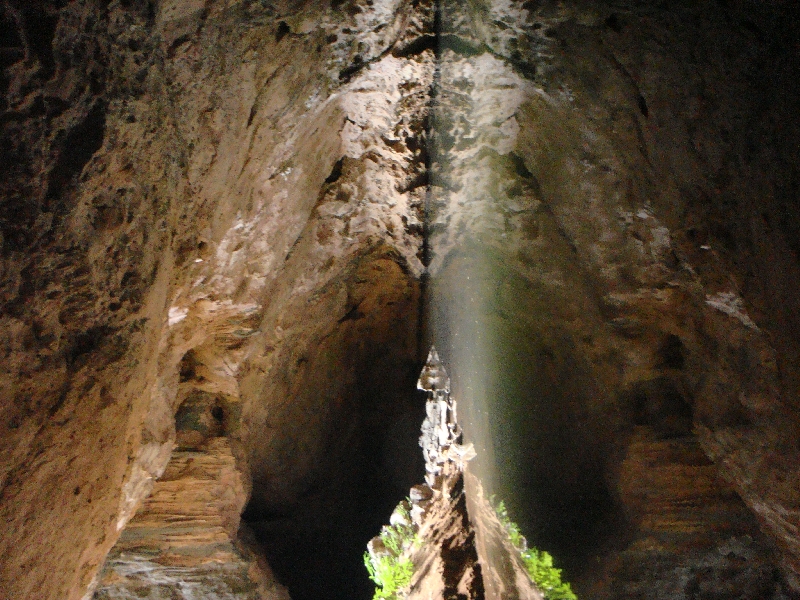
x: 40, y: 33
x: 418, y: 181
x: 420, y: 45
x: 347, y: 74
x: 359, y: 64
x: 282, y: 31
x: 336, y: 172
x: 461, y: 46
x: 423, y: 333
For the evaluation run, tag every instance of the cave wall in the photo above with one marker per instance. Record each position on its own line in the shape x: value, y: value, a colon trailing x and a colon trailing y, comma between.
x: 601, y: 353
x: 230, y: 197
x: 162, y: 261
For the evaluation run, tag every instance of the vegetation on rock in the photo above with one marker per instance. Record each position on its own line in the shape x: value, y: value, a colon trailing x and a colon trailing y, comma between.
x: 538, y: 563
x: 389, y: 568
x: 390, y: 573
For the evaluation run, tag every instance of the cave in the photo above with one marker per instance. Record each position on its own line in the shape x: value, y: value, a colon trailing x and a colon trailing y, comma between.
x: 230, y: 232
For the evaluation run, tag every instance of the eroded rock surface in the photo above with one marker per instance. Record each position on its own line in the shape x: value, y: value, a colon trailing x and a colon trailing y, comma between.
x: 240, y: 199
x: 184, y: 538
x: 572, y: 279
x: 215, y: 138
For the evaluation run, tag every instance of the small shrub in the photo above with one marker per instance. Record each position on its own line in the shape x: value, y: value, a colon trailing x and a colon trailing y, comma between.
x: 539, y: 565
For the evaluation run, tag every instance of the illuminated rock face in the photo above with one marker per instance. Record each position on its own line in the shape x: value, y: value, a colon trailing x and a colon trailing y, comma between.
x: 181, y: 538
x: 597, y: 295
x: 464, y: 550
x: 460, y: 548
x: 227, y: 201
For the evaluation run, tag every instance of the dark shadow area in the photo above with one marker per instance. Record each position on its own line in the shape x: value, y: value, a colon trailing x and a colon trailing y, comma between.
x: 316, y: 544
x: 530, y: 402
x: 345, y: 450
x: 78, y: 146
x: 550, y: 452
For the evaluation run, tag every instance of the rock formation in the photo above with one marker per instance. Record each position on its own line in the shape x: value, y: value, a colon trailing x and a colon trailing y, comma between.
x: 441, y: 434
x: 230, y: 229
x: 458, y: 546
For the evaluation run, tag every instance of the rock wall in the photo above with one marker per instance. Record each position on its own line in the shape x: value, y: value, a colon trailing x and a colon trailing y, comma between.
x: 573, y: 289
x: 211, y: 182
x: 185, y: 537
x: 239, y: 199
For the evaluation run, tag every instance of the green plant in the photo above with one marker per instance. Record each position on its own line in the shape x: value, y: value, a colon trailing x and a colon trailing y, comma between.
x: 538, y: 563
x: 403, y: 534
x: 390, y: 574
x: 547, y: 578
x: 392, y: 571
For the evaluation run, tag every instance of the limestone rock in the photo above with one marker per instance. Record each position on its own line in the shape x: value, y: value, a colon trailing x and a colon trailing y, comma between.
x: 184, y: 540
x: 590, y: 207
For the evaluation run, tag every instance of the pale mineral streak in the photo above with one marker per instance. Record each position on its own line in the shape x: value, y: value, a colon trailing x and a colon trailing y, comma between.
x: 441, y: 433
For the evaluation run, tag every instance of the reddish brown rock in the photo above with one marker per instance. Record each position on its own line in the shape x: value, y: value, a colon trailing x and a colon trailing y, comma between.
x: 242, y: 197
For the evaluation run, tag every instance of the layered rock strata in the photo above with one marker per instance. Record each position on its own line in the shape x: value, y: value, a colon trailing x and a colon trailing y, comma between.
x: 186, y: 539
x: 183, y: 539
x: 692, y: 529
x: 237, y: 189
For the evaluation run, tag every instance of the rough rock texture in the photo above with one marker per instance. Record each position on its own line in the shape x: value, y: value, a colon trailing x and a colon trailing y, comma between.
x: 463, y: 550
x: 229, y: 198
x: 583, y: 296
x: 692, y: 530
x: 460, y: 547
x: 184, y: 537
x: 83, y: 289
x: 503, y: 573
x: 216, y: 151
x: 446, y: 564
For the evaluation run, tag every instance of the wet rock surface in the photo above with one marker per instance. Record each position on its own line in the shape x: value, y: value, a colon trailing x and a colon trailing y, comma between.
x: 233, y: 204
